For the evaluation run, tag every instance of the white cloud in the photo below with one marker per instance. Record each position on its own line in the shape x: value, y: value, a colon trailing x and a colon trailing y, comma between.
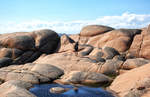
x: 126, y: 20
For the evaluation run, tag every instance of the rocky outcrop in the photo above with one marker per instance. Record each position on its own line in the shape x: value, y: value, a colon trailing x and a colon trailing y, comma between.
x: 15, y: 88
x: 31, y: 73
x: 103, y: 52
x: 135, y: 82
x: 23, y: 47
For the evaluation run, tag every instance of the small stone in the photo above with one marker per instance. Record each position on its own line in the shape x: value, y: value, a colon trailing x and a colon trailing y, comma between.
x: 58, y: 90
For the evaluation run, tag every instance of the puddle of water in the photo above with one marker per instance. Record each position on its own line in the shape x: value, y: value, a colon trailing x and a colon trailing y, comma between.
x: 83, y: 91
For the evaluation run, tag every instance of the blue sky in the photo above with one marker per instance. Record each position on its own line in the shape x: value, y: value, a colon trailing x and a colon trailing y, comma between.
x: 51, y: 14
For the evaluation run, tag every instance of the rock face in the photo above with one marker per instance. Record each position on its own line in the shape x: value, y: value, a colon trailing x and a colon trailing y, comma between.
x: 32, y: 73
x: 140, y: 45
x: 135, y: 79
x: 92, y: 30
x: 15, y: 88
x: 78, y: 77
x: 23, y: 47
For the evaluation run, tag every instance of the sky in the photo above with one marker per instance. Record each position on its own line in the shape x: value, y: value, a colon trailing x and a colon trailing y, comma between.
x: 70, y: 16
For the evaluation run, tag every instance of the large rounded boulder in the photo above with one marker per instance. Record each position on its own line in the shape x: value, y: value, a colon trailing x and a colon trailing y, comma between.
x: 25, y: 47
x: 92, y: 30
x: 119, y: 39
x: 46, y: 40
